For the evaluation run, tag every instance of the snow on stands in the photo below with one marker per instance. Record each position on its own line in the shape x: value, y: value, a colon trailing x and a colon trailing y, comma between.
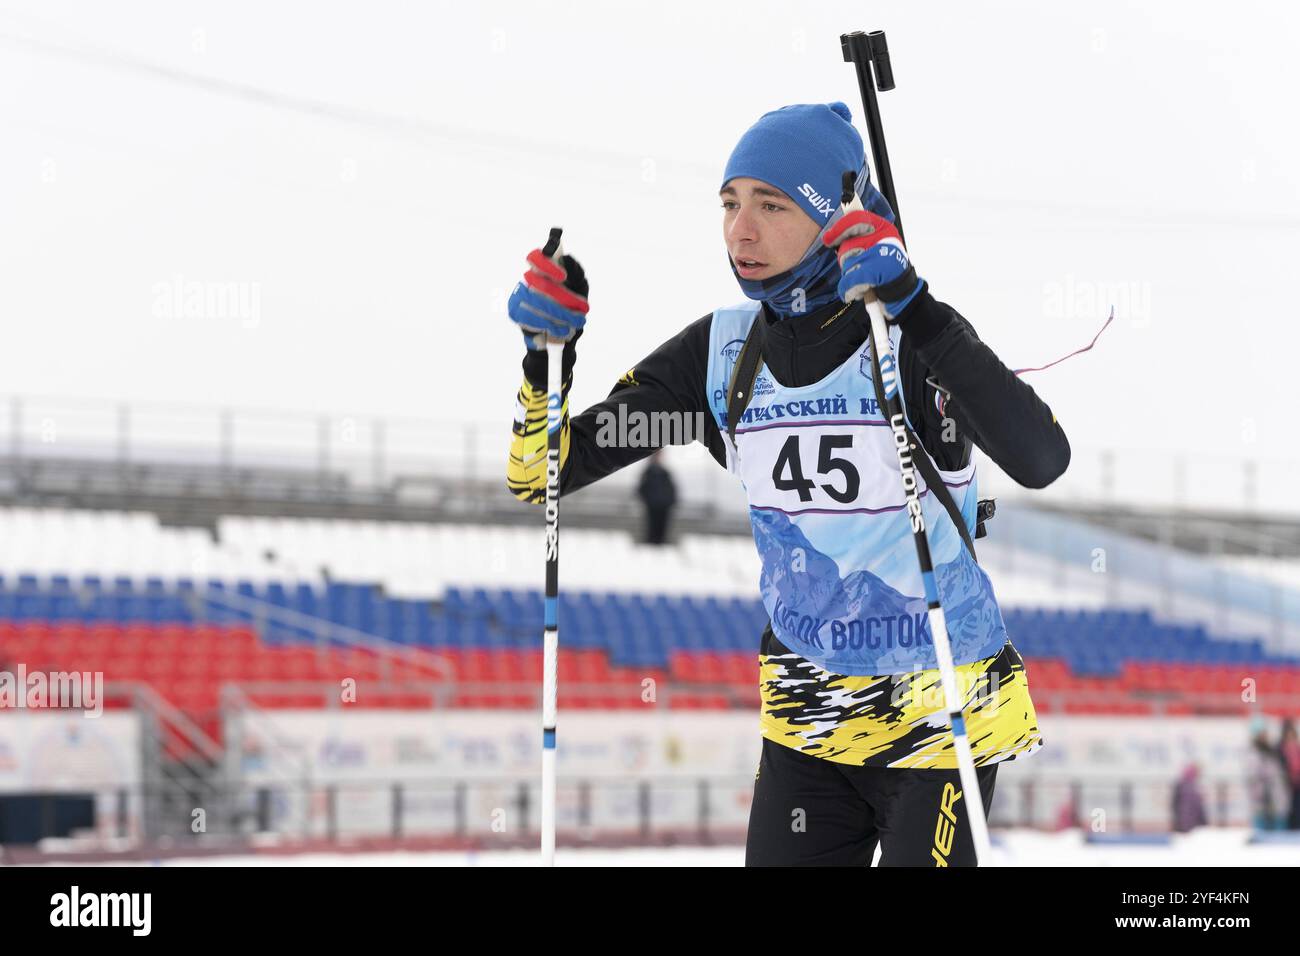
x: 413, y: 560
x: 1280, y: 570
x: 420, y: 560
x: 46, y: 542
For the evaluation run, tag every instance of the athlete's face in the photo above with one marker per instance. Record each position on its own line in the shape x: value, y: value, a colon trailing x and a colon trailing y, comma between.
x: 763, y: 224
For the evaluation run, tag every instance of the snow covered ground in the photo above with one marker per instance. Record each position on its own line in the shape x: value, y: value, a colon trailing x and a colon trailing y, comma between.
x: 1210, y: 847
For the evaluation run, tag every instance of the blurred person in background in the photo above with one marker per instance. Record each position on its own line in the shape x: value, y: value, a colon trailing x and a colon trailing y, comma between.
x: 1067, y: 814
x: 1189, y: 805
x: 1289, y: 756
x: 658, y: 493
x: 1270, y: 798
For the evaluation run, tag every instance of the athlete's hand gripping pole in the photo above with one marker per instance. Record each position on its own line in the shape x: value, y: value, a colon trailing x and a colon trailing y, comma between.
x: 550, y: 307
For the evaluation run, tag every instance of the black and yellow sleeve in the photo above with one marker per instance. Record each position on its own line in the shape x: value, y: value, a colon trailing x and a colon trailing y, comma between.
x: 526, y: 470
x: 669, y: 379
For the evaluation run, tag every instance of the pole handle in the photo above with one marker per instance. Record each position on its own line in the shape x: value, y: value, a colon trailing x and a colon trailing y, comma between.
x: 867, y: 52
x: 552, y: 249
x: 880, y: 60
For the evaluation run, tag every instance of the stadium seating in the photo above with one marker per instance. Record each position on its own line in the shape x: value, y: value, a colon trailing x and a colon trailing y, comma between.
x: 187, y: 638
x: 305, y: 603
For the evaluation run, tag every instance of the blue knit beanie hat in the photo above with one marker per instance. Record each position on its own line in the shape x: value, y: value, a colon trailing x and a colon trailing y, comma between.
x: 803, y: 150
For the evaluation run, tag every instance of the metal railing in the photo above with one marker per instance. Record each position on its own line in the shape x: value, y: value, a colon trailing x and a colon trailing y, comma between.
x: 501, y: 812
x: 368, y: 452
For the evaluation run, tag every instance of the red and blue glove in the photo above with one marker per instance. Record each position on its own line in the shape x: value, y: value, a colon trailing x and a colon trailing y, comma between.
x: 872, y: 258
x: 550, y: 301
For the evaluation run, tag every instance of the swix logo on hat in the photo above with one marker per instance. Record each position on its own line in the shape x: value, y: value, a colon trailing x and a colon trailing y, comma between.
x: 820, y: 202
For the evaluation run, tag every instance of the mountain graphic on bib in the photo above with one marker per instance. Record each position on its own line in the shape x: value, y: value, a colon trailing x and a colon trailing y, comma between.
x: 859, y: 623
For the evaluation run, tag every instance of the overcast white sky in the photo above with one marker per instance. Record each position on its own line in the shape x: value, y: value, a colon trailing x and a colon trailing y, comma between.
x: 377, y: 171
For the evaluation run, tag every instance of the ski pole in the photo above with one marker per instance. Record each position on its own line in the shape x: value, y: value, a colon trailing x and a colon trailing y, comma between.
x: 551, y: 624
x: 883, y: 355
x: 863, y: 50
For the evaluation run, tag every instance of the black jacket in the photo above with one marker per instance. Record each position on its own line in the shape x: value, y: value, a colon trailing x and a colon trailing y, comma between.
x: 984, y: 401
